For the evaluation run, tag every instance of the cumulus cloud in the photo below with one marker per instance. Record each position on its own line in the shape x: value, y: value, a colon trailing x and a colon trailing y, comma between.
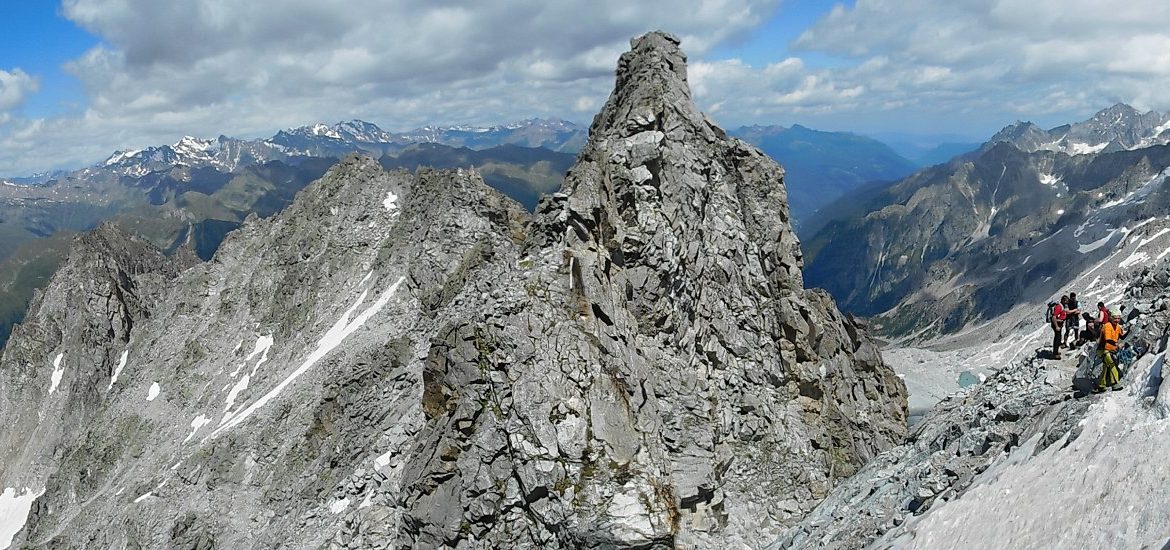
x: 1033, y: 57
x: 207, y: 67
x: 976, y: 64
x: 15, y: 86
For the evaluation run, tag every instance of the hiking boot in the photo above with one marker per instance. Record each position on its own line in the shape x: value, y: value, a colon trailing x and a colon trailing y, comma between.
x: 1098, y: 390
x: 1117, y: 387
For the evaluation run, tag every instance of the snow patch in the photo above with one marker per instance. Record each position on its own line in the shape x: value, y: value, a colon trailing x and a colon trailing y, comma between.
x: 1133, y: 259
x: 14, y: 508
x: 199, y: 422
x: 323, y: 130
x: 339, y: 506
x: 58, y: 371
x: 1153, y: 237
x: 153, y: 391
x: 263, y: 344
x: 1049, y: 179
x: 1085, y: 148
x: 231, y: 397
x: 332, y: 338
x: 1087, y: 248
x: 391, y: 202
x: 118, y: 369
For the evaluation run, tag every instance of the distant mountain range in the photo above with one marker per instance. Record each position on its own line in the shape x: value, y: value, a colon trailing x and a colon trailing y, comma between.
x: 320, y: 140
x: 822, y: 166
x: 1118, y: 128
x: 965, y: 241
x: 193, y: 192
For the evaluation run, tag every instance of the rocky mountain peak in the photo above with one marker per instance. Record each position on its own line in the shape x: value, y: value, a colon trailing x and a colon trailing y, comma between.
x: 1114, y: 114
x: 407, y: 360
x: 653, y: 159
x: 1116, y: 128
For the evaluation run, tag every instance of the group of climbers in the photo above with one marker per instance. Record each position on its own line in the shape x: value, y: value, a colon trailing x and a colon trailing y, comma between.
x: 1103, y: 327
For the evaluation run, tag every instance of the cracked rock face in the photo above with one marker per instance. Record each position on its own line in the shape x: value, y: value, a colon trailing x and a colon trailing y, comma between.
x: 411, y: 361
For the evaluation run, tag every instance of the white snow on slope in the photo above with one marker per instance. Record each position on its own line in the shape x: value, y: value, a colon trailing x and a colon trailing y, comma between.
x: 1085, y: 148
x: 58, y: 371
x: 1106, y: 489
x: 150, y: 494
x: 1133, y: 259
x: 332, y: 338
x: 14, y: 508
x: 118, y: 369
x: 263, y: 344
x: 391, y: 202
x: 1087, y: 248
x: 1141, y: 192
x: 199, y: 422
x: 231, y: 397
x: 153, y: 391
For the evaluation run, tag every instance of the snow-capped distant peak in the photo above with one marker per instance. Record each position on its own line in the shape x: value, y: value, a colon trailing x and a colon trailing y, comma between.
x: 120, y: 156
x: 323, y: 130
x: 192, y: 143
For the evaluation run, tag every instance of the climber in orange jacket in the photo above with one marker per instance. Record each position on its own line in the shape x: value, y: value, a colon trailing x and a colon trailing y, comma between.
x: 1111, y: 334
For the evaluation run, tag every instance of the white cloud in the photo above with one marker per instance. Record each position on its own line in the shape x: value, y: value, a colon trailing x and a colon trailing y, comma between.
x: 1036, y: 50
x: 207, y: 67
x: 975, y: 65
x: 15, y: 86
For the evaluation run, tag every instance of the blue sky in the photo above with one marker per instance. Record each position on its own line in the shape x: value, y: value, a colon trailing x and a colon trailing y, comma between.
x: 80, y: 79
x: 39, y: 41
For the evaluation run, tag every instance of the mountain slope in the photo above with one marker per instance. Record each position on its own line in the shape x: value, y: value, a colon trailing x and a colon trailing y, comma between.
x: 1093, y: 465
x: 966, y: 241
x: 1118, y: 128
x: 173, y: 200
x: 402, y: 360
x: 822, y: 166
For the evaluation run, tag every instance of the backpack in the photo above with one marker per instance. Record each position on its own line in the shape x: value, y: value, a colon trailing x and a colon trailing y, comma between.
x: 1048, y: 314
x: 1102, y: 319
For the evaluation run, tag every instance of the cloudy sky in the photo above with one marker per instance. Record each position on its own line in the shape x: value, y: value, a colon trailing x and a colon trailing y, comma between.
x: 82, y: 78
